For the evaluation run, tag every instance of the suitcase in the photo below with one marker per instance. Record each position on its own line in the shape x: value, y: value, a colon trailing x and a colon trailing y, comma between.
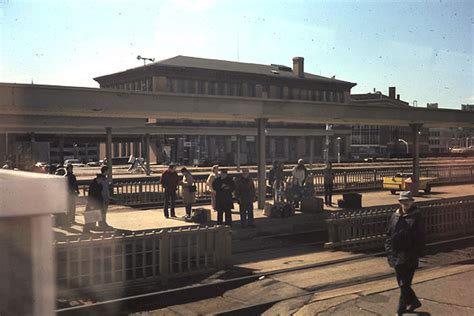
x: 311, y: 205
x: 352, y: 200
x: 201, y: 215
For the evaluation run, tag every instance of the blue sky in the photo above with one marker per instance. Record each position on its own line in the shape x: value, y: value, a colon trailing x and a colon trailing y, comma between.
x: 424, y: 48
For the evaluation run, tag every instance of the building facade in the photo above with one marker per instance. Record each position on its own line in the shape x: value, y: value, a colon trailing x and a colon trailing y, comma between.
x: 222, y: 140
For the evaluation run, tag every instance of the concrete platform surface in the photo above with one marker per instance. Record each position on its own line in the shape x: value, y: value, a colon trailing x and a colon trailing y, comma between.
x: 443, y: 291
x: 133, y: 219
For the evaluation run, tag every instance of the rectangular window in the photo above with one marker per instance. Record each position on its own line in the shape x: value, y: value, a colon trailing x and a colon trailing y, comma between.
x: 169, y: 85
x: 200, y: 87
x: 304, y: 94
x: 220, y: 88
x: 181, y: 86
x: 252, y: 90
x: 212, y: 88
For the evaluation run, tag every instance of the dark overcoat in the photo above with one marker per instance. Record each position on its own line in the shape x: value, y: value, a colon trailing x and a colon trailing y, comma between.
x: 245, y: 191
x: 405, y: 238
x: 224, y: 189
x: 94, y: 198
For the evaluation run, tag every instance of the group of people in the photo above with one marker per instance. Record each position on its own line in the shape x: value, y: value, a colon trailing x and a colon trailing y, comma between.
x: 222, y: 187
x: 300, y: 177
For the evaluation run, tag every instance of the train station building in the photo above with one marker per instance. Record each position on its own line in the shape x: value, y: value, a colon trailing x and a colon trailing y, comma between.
x: 199, y: 141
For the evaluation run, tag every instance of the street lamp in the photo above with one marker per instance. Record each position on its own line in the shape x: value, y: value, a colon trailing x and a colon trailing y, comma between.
x: 145, y: 59
x: 338, y: 149
x: 405, y: 142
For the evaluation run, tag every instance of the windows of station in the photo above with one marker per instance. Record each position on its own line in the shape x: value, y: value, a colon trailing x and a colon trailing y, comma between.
x: 365, y: 135
x: 212, y: 87
x: 200, y: 87
x: 279, y: 146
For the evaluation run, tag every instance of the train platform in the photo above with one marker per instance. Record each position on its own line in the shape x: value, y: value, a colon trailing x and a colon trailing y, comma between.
x: 129, y: 219
x: 445, y: 290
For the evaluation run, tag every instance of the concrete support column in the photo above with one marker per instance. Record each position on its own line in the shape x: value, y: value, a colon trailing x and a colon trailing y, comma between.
x: 147, y: 153
x: 3, y: 147
x: 237, y: 158
x: 416, y: 128
x: 311, y: 152
x: 108, y: 151
x: 261, y: 123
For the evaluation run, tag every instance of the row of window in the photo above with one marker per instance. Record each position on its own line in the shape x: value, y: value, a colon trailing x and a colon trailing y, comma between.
x: 137, y: 85
x: 365, y: 135
x: 233, y: 89
x: 250, y: 90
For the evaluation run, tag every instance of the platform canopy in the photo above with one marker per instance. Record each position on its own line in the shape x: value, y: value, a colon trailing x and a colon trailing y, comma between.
x: 23, y: 105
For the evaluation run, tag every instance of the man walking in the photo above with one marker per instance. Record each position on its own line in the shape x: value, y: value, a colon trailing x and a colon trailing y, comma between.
x: 93, y: 212
x: 224, y: 186
x: 245, y: 194
x: 328, y: 174
x: 104, y: 182
x: 404, y: 245
x: 170, y: 181
x: 73, y: 191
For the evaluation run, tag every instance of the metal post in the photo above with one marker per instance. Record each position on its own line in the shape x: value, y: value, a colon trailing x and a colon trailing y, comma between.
x: 108, y: 151
x: 338, y: 149
x: 238, y: 153
x: 261, y: 162
x: 311, y: 152
x: 416, y: 156
x: 326, y: 145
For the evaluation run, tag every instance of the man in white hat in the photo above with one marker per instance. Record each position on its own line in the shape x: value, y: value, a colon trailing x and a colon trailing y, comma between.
x: 404, y: 245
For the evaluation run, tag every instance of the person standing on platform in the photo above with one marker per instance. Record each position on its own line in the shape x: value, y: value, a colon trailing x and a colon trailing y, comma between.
x: 404, y: 246
x: 189, y: 191
x: 210, y: 179
x: 224, y: 186
x: 328, y: 174
x: 73, y: 192
x: 245, y: 194
x: 104, y: 182
x: 93, y: 211
x: 169, y: 182
x: 299, y: 174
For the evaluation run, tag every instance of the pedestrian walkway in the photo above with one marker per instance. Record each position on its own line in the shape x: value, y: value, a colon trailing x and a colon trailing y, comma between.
x: 131, y: 219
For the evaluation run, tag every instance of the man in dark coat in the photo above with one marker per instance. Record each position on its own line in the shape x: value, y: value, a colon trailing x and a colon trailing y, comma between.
x: 404, y: 245
x: 224, y: 186
x: 94, y: 200
x: 328, y: 174
x: 245, y: 194
x: 73, y: 191
x: 170, y: 182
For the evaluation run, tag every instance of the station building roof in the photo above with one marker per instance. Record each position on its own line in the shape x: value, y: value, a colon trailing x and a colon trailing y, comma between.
x: 186, y: 62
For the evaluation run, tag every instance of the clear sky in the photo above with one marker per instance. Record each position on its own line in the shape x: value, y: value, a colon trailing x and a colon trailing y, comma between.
x: 424, y: 48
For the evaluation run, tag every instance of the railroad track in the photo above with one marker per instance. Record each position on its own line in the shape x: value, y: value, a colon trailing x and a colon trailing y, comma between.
x: 161, y: 299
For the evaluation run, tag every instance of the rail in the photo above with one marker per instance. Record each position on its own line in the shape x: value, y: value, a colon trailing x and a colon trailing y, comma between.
x: 365, y: 228
x: 85, y: 265
x: 148, y: 190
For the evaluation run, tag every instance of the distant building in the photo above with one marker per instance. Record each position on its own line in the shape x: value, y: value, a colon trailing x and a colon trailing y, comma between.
x: 382, y: 141
x: 190, y: 75
x: 467, y: 107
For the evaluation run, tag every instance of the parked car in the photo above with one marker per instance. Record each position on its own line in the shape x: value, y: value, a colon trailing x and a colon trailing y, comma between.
x: 74, y: 162
x: 93, y: 164
x: 403, y: 181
